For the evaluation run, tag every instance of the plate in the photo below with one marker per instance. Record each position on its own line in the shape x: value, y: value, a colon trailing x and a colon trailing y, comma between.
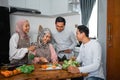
x: 51, y: 67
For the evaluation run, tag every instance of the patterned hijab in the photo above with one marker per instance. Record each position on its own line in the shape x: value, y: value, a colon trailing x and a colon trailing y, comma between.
x: 41, y: 35
x: 19, y: 29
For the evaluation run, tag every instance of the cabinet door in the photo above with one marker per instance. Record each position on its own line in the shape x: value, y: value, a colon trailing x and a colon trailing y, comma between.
x: 45, y: 7
x: 113, y: 39
x: 17, y: 3
x: 33, y: 4
x: 59, y: 6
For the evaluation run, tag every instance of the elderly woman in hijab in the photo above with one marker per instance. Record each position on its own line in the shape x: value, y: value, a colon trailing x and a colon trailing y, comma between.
x: 20, y: 43
x: 45, y: 51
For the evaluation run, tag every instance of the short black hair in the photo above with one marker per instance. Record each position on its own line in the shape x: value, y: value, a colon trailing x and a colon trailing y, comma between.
x: 83, y: 28
x: 60, y: 19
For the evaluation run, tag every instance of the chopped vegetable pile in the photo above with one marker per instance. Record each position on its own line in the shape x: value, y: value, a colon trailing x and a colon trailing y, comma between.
x: 67, y: 63
x: 26, y: 68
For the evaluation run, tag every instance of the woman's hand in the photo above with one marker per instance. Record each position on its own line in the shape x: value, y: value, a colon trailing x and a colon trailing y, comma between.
x: 32, y: 48
x: 73, y: 69
x: 42, y: 59
x: 55, y: 62
x: 73, y: 58
x: 36, y: 60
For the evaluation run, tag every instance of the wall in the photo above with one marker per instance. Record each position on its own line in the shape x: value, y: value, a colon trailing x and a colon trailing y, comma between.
x: 44, y: 21
x: 4, y: 3
x: 102, y: 18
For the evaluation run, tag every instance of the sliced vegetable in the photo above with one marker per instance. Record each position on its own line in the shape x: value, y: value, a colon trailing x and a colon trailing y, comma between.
x: 67, y: 63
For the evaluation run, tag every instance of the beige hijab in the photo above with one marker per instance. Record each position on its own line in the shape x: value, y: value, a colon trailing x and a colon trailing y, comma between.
x: 19, y: 29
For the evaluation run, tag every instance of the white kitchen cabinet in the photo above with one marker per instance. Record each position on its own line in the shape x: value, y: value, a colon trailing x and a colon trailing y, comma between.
x: 17, y: 3
x: 65, y: 6
x: 73, y: 5
x: 59, y: 6
x: 46, y: 7
x: 41, y: 5
x: 33, y: 4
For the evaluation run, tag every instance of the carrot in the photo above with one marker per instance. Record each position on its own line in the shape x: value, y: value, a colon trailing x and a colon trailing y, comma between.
x: 15, y: 72
x: 18, y: 70
x: 53, y: 66
x: 8, y: 73
x: 44, y: 66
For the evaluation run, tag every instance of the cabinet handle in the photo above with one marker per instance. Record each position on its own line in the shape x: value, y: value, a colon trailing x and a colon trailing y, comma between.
x: 109, y: 32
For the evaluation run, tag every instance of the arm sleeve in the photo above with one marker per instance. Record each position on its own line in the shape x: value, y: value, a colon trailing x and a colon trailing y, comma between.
x: 74, y: 41
x: 15, y: 53
x: 53, y: 53
x: 96, y: 60
x: 78, y: 59
x: 53, y: 42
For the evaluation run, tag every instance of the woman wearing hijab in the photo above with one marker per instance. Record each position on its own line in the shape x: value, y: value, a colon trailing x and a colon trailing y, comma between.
x: 45, y: 51
x: 20, y: 43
